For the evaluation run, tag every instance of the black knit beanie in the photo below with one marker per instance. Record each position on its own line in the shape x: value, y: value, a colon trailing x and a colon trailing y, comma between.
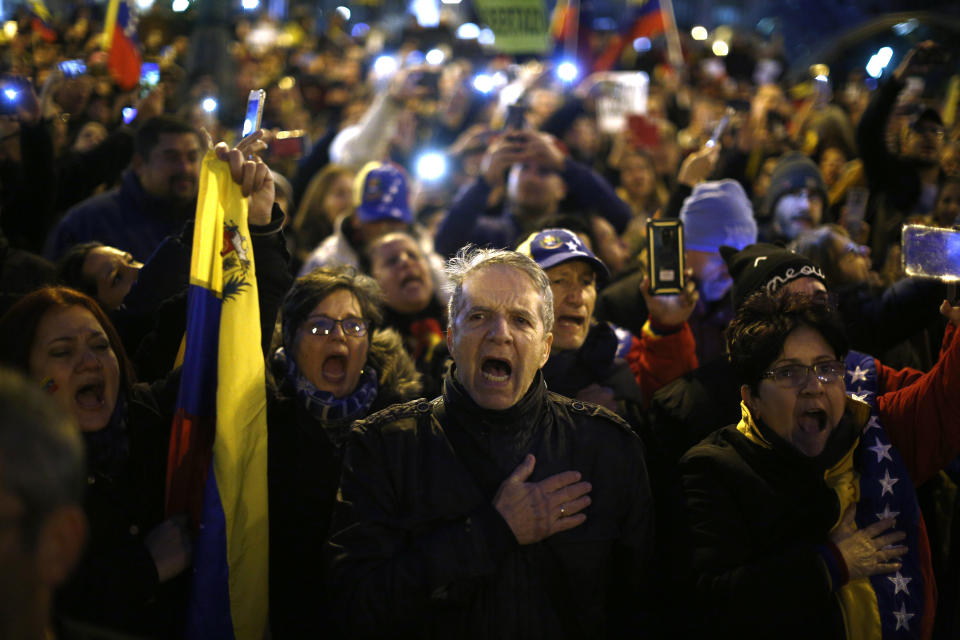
x: 768, y: 267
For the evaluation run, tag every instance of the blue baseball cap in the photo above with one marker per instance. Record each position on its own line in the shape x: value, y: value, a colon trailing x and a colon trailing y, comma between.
x: 551, y: 247
x: 380, y: 193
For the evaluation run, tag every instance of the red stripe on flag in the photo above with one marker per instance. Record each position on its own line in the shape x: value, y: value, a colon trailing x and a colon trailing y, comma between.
x: 648, y: 25
x: 124, y: 61
x: 191, y: 449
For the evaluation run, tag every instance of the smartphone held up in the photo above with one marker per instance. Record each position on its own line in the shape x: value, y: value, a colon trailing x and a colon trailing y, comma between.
x: 665, y: 256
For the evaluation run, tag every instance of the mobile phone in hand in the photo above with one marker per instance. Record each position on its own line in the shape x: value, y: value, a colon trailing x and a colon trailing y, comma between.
x: 254, y: 113
x: 149, y: 77
x: 72, y: 68
x: 12, y: 90
x: 665, y: 256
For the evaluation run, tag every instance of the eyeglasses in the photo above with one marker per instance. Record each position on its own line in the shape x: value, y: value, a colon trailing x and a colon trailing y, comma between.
x: 351, y: 327
x: 794, y: 376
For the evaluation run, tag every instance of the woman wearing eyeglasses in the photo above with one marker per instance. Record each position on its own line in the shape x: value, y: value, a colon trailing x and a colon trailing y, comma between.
x: 335, y: 366
x: 801, y: 521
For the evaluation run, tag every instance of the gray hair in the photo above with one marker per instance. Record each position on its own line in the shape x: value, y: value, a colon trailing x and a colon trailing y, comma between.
x: 470, y: 259
x: 41, y: 452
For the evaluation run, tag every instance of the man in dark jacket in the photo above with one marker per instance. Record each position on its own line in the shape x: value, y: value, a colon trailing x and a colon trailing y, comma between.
x: 536, y: 177
x: 498, y: 510
x: 156, y: 196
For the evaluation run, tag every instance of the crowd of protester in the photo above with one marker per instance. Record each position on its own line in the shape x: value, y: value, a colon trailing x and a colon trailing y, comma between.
x: 645, y: 514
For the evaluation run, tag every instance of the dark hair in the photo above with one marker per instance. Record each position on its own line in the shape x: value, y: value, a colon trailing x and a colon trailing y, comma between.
x: 816, y: 245
x: 41, y: 453
x: 149, y: 134
x: 70, y: 268
x: 757, y: 334
x: 18, y: 328
x: 308, y: 291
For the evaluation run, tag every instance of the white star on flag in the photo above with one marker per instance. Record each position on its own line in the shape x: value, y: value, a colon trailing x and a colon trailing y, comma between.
x: 887, y: 513
x: 872, y: 423
x: 903, y: 618
x: 857, y: 374
x: 882, y: 450
x: 573, y: 246
x: 899, y: 583
x: 887, y: 483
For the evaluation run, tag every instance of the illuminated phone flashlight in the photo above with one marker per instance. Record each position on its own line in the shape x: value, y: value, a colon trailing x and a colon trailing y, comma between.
x: 209, y: 105
x: 483, y: 83
x: 128, y: 113
x: 567, y: 71
x: 10, y: 94
x: 385, y: 66
x: 431, y: 166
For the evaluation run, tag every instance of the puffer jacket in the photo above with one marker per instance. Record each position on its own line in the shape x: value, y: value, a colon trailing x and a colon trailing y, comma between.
x: 418, y: 549
x: 303, y: 473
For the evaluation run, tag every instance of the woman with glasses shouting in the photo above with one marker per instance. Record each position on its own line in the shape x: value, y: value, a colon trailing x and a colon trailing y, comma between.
x: 335, y: 366
x: 801, y: 521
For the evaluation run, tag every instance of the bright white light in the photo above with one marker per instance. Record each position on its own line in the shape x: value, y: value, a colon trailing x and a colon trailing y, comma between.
x: 209, y: 105
x: 359, y: 30
x: 511, y: 93
x: 500, y: 79
x: 879, y: 61
x: 468, y: 31
x: 641, y: 44
x: 720, y: 48
x: 905, y: 28
x: 567, y: 71
x: 699, y: 33
x: 144, y: 5
x: 344, y: 12
x: 384, y: 66
x: 483, y: 83
x: 450, y: 1
x: 10, y: 28
x: 427, y: 12
x: 431, y: 166
x: 435, y: 57
x: 180, y: 5
x: 486, y: 37
x: 249, y: 5
x: 10, y: 94
x: 821, y: 78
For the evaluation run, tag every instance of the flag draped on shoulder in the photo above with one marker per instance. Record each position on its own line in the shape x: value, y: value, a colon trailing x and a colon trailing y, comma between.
x: 217, y: 468
x: 121, y: 44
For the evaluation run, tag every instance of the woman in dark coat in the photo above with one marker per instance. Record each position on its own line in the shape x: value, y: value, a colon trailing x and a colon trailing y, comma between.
x: 335, y: 367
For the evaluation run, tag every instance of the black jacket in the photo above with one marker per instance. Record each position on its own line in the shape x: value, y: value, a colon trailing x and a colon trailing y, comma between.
x: 420, y: 551
x: 304, y: 458
x: 752, y: 518
x: 115, y: 584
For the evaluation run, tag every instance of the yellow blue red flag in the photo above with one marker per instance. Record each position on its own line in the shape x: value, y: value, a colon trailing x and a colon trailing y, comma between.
x: 217, y: 469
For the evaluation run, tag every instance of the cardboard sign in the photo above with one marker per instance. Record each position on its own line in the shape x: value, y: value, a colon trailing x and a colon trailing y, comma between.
x: 519, y: 26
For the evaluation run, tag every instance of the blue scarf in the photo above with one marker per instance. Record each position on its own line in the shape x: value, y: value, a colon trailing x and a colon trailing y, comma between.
x: 323, y: 405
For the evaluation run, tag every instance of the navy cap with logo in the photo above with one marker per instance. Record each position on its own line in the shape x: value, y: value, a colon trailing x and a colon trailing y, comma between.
x: 551, y: 247
x: 380, y: 193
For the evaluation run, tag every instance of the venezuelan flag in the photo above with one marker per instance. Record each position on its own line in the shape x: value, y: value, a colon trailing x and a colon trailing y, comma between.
x: 642, y: 18
x: 217, y: 468
x: 121, y: 44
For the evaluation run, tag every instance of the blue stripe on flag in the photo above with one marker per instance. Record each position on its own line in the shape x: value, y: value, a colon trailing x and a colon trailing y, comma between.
x: 198, y: 387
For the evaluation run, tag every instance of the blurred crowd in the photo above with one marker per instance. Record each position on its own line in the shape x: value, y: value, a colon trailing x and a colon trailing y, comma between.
x: 382, y: 155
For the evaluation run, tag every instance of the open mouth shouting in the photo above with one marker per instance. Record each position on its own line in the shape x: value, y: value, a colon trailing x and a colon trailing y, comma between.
x: 91, y: 396
x: 496, y: 370
x: 334, y: 368
x: 812, y: 422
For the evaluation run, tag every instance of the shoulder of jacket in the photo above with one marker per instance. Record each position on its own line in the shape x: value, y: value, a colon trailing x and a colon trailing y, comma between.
x: 395, y: 413
x: 591, y: 410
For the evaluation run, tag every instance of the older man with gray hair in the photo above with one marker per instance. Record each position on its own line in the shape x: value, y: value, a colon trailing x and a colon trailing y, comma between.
x: 499, y: 509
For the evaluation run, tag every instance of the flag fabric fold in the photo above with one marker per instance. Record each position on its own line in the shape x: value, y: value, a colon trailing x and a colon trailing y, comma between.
x: 643, y: 18
x: 217, y: 466
x: 121, y: 44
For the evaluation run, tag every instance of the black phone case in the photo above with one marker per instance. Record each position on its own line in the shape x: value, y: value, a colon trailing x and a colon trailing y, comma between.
x: 665, y: 256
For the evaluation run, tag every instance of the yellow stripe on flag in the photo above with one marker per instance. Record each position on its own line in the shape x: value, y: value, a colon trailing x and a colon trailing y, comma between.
x: 240, y: 447
x: 109, y: 22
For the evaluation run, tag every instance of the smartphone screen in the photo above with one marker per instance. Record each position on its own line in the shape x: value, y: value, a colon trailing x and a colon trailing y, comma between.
x: 11, y: 94
x: 72, y: 68
x: 856, y: 207
x: 516, y: 118
x: 149, y: 77
x: 254, y: 113
x: 665, y: 251
x: 931, y: 252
